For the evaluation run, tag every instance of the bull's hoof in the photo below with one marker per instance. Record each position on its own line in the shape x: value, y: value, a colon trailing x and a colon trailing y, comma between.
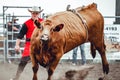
x: 100, y: 78
x: 106, y: 69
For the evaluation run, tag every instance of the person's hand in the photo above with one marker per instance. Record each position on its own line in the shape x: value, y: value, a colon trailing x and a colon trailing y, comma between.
x: 17, y: 49
x: 9, y: 24
x: 15, y: 28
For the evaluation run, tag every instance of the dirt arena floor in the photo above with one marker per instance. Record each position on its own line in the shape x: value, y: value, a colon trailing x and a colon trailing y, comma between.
x: 94, y: 69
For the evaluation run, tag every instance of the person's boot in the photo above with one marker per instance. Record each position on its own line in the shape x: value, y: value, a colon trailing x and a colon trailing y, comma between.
x: 19, y: 70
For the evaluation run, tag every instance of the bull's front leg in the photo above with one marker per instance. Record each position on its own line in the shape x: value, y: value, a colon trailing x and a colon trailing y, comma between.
x: 35, y: 66
x: 35, y: 69
x: 52, y: 68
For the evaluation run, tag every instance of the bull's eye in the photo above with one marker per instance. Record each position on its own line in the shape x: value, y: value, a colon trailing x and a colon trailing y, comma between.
x: 51, y: 29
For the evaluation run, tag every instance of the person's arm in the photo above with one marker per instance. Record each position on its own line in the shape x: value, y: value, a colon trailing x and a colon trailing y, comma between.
x: 16, y: 27
x: 21, y: 34
x: 17, y: 47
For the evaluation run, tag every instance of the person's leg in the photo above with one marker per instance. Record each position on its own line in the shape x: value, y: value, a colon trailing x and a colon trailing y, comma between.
x: 21, y: 66
x: 83, y: 57
x: 75, y: 55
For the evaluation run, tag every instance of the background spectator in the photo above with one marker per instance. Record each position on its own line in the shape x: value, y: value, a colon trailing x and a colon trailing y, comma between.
x: 74, y: 61
x: 13, y: 28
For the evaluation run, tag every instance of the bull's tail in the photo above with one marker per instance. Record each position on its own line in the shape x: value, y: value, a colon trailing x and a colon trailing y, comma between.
x: 93, y: 50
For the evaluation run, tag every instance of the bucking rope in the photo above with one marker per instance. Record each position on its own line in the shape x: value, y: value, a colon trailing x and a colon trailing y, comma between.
x: 81, y: 17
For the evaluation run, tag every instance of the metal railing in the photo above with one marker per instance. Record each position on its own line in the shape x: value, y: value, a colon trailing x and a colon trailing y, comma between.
x: 6, y: 49
x: 2, y: 41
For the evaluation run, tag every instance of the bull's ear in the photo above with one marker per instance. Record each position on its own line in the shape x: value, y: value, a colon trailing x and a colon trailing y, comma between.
x: 37, y: 23
x: 58, y: 27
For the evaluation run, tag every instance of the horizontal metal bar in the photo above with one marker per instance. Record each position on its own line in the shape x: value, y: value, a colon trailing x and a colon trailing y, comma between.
x: 19, y: 16
x: 15, y: 7
x: 111, y: 16
x: 15, y: 40
x: 14, y: 48
x: 1, y: 48
x: 2, y: 40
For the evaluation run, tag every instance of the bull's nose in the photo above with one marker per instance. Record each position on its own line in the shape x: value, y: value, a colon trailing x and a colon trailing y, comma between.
x: 44, y: 37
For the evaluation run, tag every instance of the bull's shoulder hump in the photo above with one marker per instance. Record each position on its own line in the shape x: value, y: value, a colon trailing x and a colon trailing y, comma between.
x: 93, y: 5
x: 90, y: 6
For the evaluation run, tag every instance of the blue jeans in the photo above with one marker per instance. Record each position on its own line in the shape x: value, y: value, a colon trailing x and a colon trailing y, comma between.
x: 82, y: 54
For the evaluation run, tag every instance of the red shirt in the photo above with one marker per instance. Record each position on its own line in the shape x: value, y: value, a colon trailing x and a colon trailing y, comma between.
x: 27, y: 29
x: 30, y: 26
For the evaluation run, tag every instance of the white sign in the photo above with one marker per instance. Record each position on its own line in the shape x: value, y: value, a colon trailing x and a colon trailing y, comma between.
x: 112, y: 32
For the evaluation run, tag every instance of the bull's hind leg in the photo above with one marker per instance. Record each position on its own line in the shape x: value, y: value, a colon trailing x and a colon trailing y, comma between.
x: 100, y: 46
x: 93, y: 50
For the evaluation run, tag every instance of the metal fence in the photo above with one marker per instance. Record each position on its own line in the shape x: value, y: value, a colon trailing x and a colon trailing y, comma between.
x: 2, y: 40
x: 112, y: 36
x: 11, y: 37
x: 7, y: 37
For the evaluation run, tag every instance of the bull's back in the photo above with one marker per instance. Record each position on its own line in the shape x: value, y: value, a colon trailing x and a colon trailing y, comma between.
x: 95, y: 25
x: 94, y: 20
x: 92, y: 15
x: 74, y: 31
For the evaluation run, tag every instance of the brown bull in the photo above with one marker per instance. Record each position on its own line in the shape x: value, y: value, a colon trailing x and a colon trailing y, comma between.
x: 64, y: 31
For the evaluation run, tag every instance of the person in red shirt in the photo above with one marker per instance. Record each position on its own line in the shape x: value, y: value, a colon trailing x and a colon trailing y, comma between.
x: 26, y: 30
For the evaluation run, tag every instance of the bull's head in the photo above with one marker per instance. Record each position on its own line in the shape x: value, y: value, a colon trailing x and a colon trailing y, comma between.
x: 47, y: 29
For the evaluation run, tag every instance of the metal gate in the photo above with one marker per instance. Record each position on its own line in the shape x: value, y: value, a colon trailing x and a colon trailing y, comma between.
x: 2, y: 39
x: 6, y: 42
x: 10, y: 39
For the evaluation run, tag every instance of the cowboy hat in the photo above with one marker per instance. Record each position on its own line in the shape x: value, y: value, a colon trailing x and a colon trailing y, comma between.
x: 35, y: 9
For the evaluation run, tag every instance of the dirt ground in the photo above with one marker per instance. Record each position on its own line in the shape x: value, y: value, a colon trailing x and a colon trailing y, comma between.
x: 7, y: 71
